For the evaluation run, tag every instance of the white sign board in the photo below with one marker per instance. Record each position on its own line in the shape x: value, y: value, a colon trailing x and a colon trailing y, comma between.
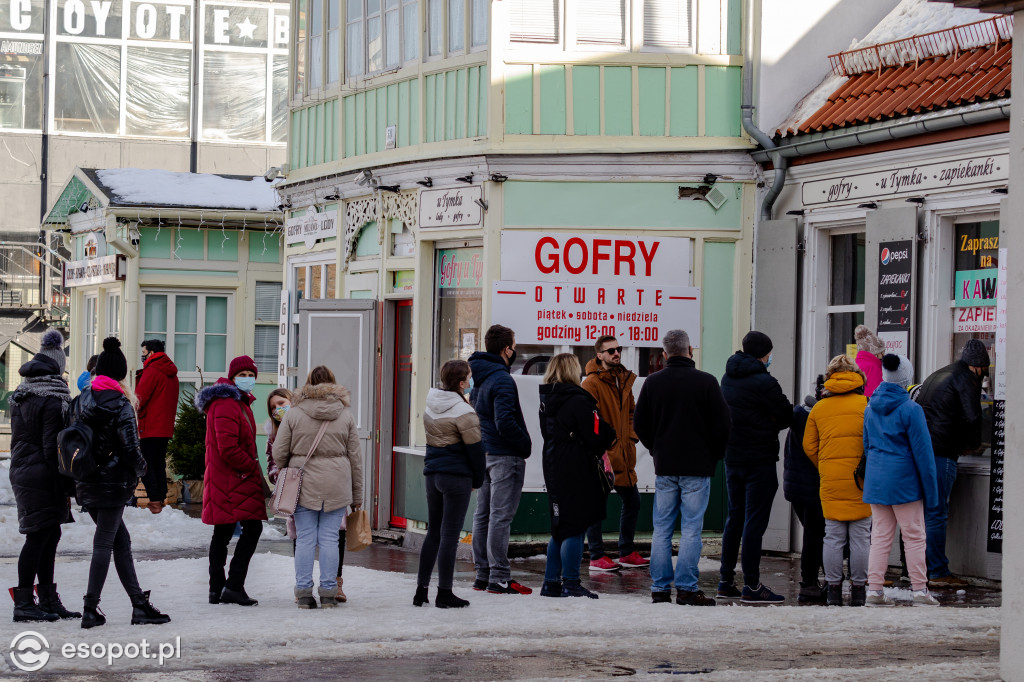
x: 554, y: 314
x: 974, y: 320
x: 282, y: 342
x: 311, y: 227
x: 961, y: 172
x: 595, y: 258
x: 895, y: 342
x: 103, y: 270
x: 1002, y: 359
x: 452, y: 207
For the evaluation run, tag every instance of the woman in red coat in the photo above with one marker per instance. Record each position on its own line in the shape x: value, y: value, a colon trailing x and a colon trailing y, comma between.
x: 232, y: 488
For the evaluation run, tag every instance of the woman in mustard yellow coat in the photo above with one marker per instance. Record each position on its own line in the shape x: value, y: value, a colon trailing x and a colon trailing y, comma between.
x: 834, y: 442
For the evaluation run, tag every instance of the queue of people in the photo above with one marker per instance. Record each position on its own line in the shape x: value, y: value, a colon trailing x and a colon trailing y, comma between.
x: 856, y: 469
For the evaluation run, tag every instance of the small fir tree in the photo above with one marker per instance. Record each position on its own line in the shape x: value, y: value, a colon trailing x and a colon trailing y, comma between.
x: 187, y: 448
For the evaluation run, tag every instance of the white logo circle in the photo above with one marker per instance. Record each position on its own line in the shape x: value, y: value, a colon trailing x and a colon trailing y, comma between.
x: 29, y: 651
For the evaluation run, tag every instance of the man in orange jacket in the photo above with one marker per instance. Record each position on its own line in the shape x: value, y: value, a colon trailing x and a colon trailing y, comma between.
x: 612, y: 385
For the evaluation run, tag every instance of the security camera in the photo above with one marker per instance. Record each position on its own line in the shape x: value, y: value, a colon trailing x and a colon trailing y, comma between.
x: 272, y: 174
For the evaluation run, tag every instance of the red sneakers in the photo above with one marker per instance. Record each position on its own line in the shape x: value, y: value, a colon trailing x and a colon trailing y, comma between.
x: 510, y: 587
x: 604, y: 564
x: 633, y: 560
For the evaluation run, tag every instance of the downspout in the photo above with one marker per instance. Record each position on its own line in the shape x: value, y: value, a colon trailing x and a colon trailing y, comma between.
x: 779, y: 162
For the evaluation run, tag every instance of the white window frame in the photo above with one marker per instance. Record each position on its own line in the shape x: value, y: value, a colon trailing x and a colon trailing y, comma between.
x: 113, y: 308
x: 271, y: 324
x: 90, y: 304
x: 403, y: 58
x: 189, y: 374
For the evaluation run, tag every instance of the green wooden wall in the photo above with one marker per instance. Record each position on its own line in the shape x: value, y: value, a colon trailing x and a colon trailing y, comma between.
x: 313, y: 137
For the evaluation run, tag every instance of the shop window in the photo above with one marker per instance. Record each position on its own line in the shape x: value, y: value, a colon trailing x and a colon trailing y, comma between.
x: 403, y: 241
x: 157, y: 92
x: 435, y: 26
x: 114, y: 315
x: 316, y: 44
x: 234, y: 96
x: 667, y: 24
x: 380, y: 35
x: 299, y: 79
x: 532, y: 360
x: 91, y: 324
x: 193, y: 325
x: 456, y: 26
x: 87, y: 93
x: 333, y: 41
x: 601, y: 22
x: 534, y: 21
x: 268, y: 312
x: 314, y: 281
x: 456, y: 14
x: 21, y: 76
x: 480, y: 22
x: 457, y: 304
x: 846, y: 290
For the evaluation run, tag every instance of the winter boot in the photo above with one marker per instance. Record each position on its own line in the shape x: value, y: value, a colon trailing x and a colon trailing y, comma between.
x: 91, y: 614
x: 858, y: 595
x: 230, y: 596
x: 551, y: 588
x: 305, y: 598
x: 341, y: 595
x: 49, y: 601
x: 25, y: 608
x: 144, y: 613
x: 446, y: 600
x: 811, y: 593
x: 835, y: 594
x: 421, y: 597
x: 573, y: 588
x: 328, y: 598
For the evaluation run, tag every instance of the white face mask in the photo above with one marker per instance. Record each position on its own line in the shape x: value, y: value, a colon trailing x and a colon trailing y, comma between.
x: 246, y: 383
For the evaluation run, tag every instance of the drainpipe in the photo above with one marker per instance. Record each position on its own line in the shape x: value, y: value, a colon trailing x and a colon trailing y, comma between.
x: 747, y: 108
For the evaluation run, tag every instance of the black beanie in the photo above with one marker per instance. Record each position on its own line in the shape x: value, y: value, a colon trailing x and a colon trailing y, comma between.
x: 111, y: 362
x: 757, y: 344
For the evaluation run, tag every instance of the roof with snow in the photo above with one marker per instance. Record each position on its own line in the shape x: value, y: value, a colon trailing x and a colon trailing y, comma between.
x: 921, y: 58
x: 155, y: 188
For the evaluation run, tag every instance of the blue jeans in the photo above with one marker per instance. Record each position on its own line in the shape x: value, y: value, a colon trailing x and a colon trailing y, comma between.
x: 751, y: 493
x: 936, y: 518
x: 316, y: 527
x: 630, y: 497
x: 676, y: 496
x: 564, y: 559
x: 496, y: 505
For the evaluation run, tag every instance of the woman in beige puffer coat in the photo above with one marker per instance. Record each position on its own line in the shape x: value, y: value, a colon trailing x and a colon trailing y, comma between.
x: 332, y: 479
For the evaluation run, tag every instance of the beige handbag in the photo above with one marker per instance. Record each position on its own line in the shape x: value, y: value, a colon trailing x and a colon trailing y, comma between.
x: 289, y: 481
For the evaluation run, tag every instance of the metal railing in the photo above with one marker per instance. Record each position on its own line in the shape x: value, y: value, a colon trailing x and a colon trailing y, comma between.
x: 31, y: 279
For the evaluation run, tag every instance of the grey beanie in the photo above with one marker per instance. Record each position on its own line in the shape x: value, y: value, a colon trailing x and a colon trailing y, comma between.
x: 896, y: 369
x: 53, y: 348
x: 975, y: 354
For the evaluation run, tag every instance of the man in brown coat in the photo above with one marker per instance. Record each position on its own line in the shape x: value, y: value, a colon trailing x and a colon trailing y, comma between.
x: 612, y: 385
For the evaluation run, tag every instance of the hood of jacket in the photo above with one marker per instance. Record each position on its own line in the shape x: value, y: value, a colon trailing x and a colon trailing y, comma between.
x: 843, y: 382
x: 484, y: 365
x: 888, y: 397
x: 159, y: 362
x: 99, y: 404
x: 742, y: 364
x: 224, y: 388
x: 39, y: 366
x: 440, y: 401
x: 323, y: 401
x: 554, y: 396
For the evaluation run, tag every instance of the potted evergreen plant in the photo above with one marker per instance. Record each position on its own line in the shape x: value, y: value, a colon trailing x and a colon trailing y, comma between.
x: 187, y: 448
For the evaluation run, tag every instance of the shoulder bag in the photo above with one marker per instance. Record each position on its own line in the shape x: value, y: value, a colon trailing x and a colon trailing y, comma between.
x: 289, y: 481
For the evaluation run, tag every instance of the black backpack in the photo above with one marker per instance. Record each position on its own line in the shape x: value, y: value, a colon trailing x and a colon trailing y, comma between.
x: 76, y: 458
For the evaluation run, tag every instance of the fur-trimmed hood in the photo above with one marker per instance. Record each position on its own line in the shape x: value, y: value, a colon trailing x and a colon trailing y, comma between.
x: 224, y: 388
x: 323, y: 401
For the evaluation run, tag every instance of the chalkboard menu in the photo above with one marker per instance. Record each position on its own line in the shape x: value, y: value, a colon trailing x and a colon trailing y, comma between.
x: 894, y: 286
x: 995, y: 493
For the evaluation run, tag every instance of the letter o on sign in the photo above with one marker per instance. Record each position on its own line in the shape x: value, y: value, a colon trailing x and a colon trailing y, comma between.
x: 567, y: 255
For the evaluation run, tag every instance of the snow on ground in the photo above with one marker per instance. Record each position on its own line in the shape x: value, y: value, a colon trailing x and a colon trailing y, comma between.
x: 171, y: 529
x: 379, y: 621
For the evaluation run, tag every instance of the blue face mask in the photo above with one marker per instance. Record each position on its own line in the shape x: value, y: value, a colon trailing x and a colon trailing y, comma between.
x: 246, y: 383
x: 470, y: 389
x: 769, y: 363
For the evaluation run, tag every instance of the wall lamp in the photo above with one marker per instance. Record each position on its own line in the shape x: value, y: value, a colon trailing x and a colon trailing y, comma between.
x: 333, y: 196
x: 868, y: 204
x: 84, y: 208
x: 1001, y: 190
x: 709, y: 178
x: 498, y: 177
x: 482, y: 203
x: 426, y: 182
x: 468, y: 179
x: 798, y: 211
x: 915, y: 200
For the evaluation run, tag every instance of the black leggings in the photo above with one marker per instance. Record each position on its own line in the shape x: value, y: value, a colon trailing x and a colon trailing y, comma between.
x: 447, y: 502
x: 111, y: 538
x: 341, y: 549
x: 244, y: 549
x: 38, y: 556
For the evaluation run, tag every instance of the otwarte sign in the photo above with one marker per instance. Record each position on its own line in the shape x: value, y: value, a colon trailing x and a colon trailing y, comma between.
x: 960, y: 172
x: 611, y: 259
x: 555, y: 314
x: 311, y: 227
x: 103, y: 270
x: 452, y: 207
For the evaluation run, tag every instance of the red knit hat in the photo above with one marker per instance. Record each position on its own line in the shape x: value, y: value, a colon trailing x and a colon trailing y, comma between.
x: 240, y: 364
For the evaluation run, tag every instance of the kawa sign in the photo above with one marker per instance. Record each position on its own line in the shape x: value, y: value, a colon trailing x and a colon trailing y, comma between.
x: 976, y: 288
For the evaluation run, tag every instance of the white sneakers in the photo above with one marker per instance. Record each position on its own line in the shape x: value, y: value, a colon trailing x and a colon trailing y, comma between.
x: 878, y: 598
x: 924, y: 598
x: 921, y: 598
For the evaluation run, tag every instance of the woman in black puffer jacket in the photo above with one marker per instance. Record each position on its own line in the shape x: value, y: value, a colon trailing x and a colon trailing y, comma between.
x: 38, y: 408
x: 109, y: 413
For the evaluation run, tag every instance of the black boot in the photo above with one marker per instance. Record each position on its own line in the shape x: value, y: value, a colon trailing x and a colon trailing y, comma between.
x: 230, y: 596
x: 49, y: 601
x: 835, y: 594
x: 858, y: 595
x: 421, y: 597
x: 446, y: 600
x: 25, y: 608
x: 144, y: 613
x: 91, y: 614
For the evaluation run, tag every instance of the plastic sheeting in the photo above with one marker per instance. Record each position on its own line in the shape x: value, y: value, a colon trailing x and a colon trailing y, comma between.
x: 157, y: 92
x: 87, y: 92
x: 234, y: 96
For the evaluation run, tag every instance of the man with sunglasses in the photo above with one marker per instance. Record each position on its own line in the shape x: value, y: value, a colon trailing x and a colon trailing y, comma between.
x: 611, y: 384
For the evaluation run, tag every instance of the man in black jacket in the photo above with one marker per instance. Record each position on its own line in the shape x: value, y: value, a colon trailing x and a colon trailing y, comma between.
x: 951, y: 398
x: 759, y: 412
x: 682, y: 418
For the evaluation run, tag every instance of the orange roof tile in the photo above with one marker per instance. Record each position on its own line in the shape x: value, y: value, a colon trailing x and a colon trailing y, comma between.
x: 938, y: 82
